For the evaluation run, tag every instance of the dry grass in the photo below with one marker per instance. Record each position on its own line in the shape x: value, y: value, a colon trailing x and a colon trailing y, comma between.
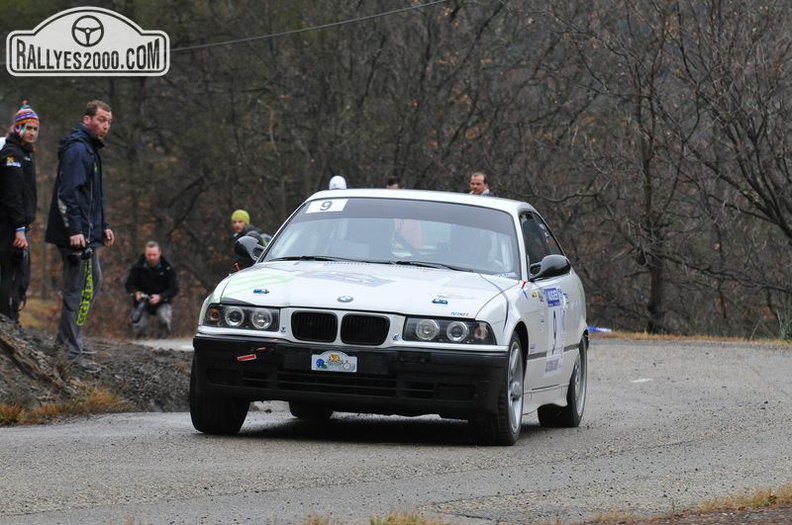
x: 91, y: 401
x: 392, y: 519
x: 760, y: 498
x: 11, y: 413
x: 405, y: 519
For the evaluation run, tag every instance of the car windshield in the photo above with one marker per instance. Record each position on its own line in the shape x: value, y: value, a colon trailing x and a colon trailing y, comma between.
x: 397, y: 231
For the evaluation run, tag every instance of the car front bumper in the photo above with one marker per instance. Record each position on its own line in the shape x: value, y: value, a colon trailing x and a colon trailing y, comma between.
x: 408, y: 381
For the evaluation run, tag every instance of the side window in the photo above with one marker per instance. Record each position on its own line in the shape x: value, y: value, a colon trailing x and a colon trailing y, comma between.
x: 539, y: 242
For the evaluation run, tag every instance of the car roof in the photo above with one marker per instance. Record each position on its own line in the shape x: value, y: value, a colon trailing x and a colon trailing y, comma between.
x: 497, y: 203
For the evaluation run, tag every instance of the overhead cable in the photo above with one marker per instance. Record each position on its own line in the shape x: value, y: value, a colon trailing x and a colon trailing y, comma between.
x: 306, y: 29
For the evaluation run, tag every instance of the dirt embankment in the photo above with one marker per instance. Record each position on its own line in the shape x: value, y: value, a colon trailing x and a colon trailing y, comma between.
x: 33, y: 371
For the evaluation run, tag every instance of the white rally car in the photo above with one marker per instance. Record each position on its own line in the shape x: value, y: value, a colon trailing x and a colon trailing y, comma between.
x: 398, y: 302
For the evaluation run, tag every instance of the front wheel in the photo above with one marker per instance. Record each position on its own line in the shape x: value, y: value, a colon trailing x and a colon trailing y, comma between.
x: 569, y: 416
x: 503, y: 427
x: 215, y: 414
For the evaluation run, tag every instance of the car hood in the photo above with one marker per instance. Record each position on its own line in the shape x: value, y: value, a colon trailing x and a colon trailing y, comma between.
x: 362, y: 286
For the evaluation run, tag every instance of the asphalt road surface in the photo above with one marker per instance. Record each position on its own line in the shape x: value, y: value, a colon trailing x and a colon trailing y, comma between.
x: 668, y: 425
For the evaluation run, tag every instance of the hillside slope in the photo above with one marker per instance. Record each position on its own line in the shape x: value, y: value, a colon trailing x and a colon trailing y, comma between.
x: 34, y: 372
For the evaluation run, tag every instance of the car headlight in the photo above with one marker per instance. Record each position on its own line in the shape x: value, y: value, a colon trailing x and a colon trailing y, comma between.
x: 457, y: 331
x: 233, y: 316
x: 249, y: 317
x: 261, y: 319
x: 448, y: 331
x: 426, y: 329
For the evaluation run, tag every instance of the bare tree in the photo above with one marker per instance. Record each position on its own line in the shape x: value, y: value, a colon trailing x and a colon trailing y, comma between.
x: 652, y: 135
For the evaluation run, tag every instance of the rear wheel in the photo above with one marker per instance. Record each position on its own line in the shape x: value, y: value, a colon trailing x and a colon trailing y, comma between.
x: 569, y: 416
x: 308, y: 411
x: 503, y: 427
x: 213, y: 414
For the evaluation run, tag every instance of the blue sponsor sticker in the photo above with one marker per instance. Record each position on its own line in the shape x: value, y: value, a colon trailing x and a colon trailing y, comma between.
x: 553, y: 296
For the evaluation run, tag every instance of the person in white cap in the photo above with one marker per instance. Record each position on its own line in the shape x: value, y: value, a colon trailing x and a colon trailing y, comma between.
x: 337, y: 183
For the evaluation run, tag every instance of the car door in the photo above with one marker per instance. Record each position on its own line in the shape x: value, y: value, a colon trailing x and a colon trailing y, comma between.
x: 546, y: 350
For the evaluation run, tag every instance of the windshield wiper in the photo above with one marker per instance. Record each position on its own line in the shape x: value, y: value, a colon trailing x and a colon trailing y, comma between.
x: 310, y: 258
x: 425, y: 264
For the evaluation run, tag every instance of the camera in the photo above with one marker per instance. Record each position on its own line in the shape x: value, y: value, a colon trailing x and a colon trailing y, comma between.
x: 81, y: 255
x: 141, y: 305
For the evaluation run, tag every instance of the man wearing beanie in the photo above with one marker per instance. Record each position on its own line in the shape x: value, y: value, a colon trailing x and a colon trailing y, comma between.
x: 78, y: 225
x: 17, y: 209
x: 240, y: 223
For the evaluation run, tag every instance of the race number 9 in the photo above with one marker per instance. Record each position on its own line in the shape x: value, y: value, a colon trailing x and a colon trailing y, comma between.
x: 327, y: 206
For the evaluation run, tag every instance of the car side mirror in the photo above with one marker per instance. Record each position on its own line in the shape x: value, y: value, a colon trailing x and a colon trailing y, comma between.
x: 247, y: 246
x: 550, y: 266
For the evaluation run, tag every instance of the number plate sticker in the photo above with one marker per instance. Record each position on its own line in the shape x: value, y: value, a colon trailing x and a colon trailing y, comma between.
x: 334, y: 362
x: 327, y: 206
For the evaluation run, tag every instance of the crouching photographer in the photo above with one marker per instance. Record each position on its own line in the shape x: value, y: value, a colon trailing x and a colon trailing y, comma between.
x: 152, y: 283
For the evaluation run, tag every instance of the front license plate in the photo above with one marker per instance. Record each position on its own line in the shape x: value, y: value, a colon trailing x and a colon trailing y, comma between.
x: 334, y: 362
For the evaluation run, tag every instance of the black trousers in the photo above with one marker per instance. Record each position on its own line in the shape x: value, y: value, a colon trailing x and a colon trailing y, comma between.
x: 14, y: 275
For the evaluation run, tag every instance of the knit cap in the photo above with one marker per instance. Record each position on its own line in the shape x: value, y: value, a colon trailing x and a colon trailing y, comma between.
x: 24, y: 116
x: 241, y: 215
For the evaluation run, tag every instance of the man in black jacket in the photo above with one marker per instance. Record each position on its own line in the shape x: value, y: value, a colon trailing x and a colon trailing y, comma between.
x: 17, y: 209
x: 78, y: 225
x: 153, y: 285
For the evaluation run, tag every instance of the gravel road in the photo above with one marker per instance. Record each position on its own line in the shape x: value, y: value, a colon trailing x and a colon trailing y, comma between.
x: 667, y: 426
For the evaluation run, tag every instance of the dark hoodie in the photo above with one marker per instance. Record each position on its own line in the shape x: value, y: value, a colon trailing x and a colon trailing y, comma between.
x: 17, y: 183
x: 78, y: 199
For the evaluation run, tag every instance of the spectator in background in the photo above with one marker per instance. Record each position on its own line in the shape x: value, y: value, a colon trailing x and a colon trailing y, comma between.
x: 394, y: 183
x: 479, y: 185
x: 17, y: 209
x: 78, y: 225
x: 240, y: 224
x: 337, y: 182
x: 153, y: 285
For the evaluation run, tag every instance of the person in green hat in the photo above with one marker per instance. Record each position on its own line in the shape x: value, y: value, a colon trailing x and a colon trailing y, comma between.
x: 240, y: 224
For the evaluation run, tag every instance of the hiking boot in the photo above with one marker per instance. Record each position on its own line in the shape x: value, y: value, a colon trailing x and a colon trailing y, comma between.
x: 89, y: 367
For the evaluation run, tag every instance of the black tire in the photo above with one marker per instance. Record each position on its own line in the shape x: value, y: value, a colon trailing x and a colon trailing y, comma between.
x: 215, y: 414
x: 308, y: 411
x: 502, y: 428
x: 553, y: 416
